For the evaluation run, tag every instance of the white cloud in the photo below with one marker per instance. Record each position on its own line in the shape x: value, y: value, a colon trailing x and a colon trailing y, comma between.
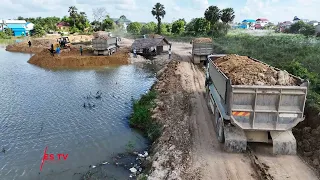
x: 277, y: 11
x: 139, y: 10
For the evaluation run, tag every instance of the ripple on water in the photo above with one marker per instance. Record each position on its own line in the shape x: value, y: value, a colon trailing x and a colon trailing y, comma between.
x: 42, y: 108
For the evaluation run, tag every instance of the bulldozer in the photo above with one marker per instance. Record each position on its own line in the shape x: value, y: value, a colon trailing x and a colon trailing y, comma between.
x: 64, y: 42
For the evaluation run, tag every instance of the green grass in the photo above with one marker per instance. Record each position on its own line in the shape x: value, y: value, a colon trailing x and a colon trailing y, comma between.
x: 141, y: 116
x: 297, y: 54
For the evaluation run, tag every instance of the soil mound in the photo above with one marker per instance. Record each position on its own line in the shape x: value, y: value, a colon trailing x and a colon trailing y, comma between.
x: 38, y: 45
x: 202, y: 40
x: 71, y: 58
x: 244, y: 71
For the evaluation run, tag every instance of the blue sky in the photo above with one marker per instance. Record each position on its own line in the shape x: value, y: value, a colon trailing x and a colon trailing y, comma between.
x: 139, y: 10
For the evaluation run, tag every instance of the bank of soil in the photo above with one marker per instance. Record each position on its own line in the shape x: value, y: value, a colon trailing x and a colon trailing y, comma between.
x: 39, y: 44
x: 244, y: 71
x: 71, y: 58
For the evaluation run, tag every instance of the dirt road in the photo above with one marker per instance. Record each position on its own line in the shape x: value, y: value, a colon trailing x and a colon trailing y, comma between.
x: 208, y: 158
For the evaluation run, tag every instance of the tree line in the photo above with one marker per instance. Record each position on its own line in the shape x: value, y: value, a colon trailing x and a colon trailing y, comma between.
x: 215, y: 22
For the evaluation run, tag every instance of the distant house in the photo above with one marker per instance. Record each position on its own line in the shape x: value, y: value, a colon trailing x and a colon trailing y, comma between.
x: 150, y: 45
x: 284, y: 25
x: 296, y: 19
x: 29, y: 27
x: 247, y: 23
x: 313, y: 23
x: 262, y: 22
x: 17, y: 26
x: 122, y: 20
x: 63, y: 26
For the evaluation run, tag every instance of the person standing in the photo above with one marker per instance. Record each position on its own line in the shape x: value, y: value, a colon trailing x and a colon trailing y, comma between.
x: 134, y: 53
x: 58, y: 50
x: 81, y: 50
x: 29, y: 43
x: 51, y: 50
x: 169, y: 53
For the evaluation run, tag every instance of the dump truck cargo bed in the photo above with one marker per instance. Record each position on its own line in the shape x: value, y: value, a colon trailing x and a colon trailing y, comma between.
x: 257, y: 109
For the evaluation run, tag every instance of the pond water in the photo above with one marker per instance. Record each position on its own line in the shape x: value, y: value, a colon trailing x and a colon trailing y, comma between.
x: 44, y: 108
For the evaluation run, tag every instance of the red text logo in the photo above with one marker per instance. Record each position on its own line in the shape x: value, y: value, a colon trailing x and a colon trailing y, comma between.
x: 52, y: 157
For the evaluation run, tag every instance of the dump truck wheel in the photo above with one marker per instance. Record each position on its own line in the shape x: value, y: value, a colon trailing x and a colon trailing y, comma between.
x: 219, y: 125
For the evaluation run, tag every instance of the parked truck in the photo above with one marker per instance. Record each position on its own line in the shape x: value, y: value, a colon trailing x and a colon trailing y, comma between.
x: 201, y: 48
x: 254, y: 113
x: 104, y: 46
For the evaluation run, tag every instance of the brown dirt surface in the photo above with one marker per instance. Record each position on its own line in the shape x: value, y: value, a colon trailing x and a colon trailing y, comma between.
x: 172, y: 150
x: 72, y: 59
x: 202, y: 40
x: 38, y: 45
x: 244, y: 71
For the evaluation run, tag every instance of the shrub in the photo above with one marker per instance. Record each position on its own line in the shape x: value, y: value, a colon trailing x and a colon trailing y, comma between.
x: 141, y: 116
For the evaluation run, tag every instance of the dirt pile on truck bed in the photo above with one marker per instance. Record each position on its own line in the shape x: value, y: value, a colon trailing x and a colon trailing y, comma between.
x: 72, y: 59
x: 244, y: 71
x: 202, y: 40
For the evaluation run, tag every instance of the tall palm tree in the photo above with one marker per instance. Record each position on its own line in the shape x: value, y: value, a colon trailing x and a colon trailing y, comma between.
x: 159, y: 12
x: 73, y: 14
x: 227, y: 15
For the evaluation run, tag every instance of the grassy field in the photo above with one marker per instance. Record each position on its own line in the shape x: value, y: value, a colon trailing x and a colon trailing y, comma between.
x: 296, y: 54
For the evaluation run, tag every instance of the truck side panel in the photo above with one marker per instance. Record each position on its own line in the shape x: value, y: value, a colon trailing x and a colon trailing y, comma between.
x: 219, y: 80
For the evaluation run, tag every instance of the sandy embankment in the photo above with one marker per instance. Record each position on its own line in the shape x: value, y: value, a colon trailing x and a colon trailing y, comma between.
x: 39, y: 44
x: 72, y: 59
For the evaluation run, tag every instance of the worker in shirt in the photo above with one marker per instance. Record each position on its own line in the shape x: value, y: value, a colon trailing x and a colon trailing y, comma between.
x: 169, y: 53
x: 29, y: 43
x: 81, y: 50
x: 134, y: 53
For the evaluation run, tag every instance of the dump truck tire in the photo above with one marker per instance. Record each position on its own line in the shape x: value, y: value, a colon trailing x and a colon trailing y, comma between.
x: 219, y: 125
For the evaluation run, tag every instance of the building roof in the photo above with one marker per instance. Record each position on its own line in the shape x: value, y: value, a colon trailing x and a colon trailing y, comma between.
x: 16, y: 26
x: 249, y: 20
x: 14, y: 21
x: 262, y: 19
x: 63, y: 24
x: 149, y: 42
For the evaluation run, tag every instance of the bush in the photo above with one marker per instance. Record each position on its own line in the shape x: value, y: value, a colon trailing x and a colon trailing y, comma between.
x: 3, y: 35
x: 141, y: 116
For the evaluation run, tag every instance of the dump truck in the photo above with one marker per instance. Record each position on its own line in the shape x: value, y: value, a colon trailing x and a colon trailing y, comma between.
x: 254, y: 113
x: 201, y: 48
x: 104, y: 47
x: 104, y: 44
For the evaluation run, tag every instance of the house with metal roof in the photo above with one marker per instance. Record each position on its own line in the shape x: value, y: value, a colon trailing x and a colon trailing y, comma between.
x: 150, y: 45
x: 17, y: 26
x: 261, y: 22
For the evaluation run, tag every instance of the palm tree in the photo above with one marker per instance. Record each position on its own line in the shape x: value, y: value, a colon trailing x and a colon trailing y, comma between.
x: 158, y: 11
x: 73, y: 14
x: 227, y: 15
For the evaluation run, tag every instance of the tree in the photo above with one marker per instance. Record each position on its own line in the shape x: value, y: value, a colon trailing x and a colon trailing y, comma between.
x: 198, y: 26
x: 134, y: 28
x: 38, y: 30
x: 149, y: 28
x: 302, y: 28
x: 108, y: 23
x: 98, y: 14
x: 158, y: 11
x: 73, y: 14
x: 178, y: 26
x: 212, y: 14
x: 227, y: 15
x: 9, y: 32
x: 20, y: 18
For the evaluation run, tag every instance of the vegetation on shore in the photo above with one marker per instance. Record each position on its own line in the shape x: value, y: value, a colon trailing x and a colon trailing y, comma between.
x: 295, y: 53
x: 141, y: 116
